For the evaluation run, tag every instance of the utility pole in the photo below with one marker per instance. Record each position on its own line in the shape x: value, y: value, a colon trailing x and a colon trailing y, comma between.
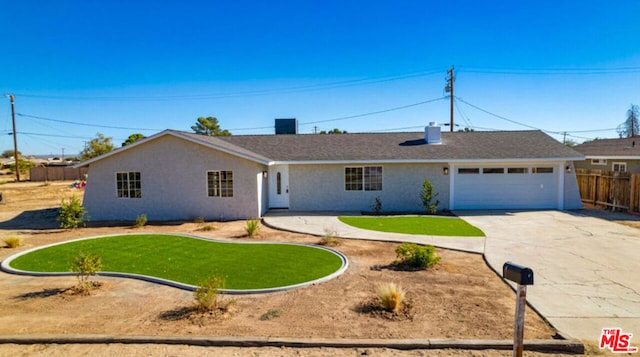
x: 449, y: 89
x: 16, y: 156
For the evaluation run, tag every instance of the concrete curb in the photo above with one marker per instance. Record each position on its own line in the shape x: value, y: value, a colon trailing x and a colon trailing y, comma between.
x: 6, y: 267
x: 561, y: 346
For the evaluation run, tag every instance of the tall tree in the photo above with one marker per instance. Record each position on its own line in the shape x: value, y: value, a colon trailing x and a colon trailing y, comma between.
x: 133, y: 138
x: 631, y: 126
x: 209, y: 126
x: 96, y: 147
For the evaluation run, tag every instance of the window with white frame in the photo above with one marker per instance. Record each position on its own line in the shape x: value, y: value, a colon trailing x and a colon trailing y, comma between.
x: 620, y: 166
x: 128, y: 185
x: 220, y: 183
x: 367, y: 178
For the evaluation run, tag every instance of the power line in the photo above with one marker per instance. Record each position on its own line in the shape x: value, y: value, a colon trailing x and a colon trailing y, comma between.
x: 375, y: 112
x: 496, y: 115
x: 55, y: 136
x: 284, y: 90
x: 85, y: 124
x: 551, y: 71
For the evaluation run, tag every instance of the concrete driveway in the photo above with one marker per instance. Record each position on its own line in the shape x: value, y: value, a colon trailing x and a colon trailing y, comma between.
x: 586, y: 270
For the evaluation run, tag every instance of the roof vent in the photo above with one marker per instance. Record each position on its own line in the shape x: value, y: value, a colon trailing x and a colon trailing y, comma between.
x: 432, y: 134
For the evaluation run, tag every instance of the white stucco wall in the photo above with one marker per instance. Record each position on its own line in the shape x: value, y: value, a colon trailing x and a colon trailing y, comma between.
x: 174, y: 184
x: 572, y: 198
x: 322, y: 187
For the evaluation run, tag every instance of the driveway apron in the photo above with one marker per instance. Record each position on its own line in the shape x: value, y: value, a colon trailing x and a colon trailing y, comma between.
x: 586, y: 270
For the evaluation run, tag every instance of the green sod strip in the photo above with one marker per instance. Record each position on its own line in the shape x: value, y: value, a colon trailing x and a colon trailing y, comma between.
x: 424, y: 225
x: 190, y: 260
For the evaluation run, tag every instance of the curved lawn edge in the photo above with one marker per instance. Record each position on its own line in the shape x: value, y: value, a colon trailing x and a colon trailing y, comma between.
x: 406, y: 224
x: 5, y: 266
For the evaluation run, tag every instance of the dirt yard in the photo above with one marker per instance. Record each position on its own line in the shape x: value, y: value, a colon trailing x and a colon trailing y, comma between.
x: 459, y: 298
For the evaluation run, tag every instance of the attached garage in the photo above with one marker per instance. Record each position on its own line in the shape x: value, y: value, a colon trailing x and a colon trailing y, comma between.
x: 506, y: 187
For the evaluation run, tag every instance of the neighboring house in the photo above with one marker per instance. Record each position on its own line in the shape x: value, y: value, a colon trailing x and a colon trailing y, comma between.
x: 176, y: 175
x: 622, y: 155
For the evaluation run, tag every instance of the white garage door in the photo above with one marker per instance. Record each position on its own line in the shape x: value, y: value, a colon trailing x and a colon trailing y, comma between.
x: 499, y: 187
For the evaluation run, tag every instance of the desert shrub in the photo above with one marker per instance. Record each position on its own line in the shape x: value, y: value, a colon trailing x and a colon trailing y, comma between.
x: 86, y: 265
x: 253, y: 225
x: 13, y: 241
x: 271, y: 313
x: 206, y: 294
x: 198, y: 220
x: 72, y: 213
x: 377, y: 205
x: 141, y: 220
x: 416, y: 256
x: 330, y: 238
x: 390, y: 296
x: 207, y: 228
x: 427, y: 197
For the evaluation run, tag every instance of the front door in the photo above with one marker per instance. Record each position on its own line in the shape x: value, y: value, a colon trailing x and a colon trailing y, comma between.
x: 279, y: 186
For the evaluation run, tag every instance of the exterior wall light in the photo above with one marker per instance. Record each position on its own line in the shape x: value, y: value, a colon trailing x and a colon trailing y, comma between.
x: 445, y: 170
x: 567, y: 169
x: 264, y: 174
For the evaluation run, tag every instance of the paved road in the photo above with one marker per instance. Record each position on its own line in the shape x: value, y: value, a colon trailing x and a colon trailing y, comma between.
x: 587, y: 270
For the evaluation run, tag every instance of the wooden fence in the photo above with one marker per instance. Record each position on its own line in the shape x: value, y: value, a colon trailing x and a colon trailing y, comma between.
x: 57, y: 173
x: 615, y: 190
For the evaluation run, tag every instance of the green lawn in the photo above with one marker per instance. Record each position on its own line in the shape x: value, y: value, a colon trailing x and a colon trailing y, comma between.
x: 190, y: 260
x: 425, y: 225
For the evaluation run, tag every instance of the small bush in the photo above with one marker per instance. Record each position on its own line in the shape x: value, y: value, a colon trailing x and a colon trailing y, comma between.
x: 141, y: 220
x: 427, y: 197
x: 377, y: 206
x: 198, y: 220
x: 253, y: 225
x: 72, y: 213
x: 330, y: 238
x: 416, y: 256
x: 271, y: 313
x: 390, y: 296
x: 86, y: 265
x: 207, y: 228
x: 206, y: 294
x: 13, y: 242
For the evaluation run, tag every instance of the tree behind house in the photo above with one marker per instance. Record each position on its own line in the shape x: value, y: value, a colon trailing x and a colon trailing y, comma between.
x: 631, y: 126
x: 209, y: 126
x: 97, y: 146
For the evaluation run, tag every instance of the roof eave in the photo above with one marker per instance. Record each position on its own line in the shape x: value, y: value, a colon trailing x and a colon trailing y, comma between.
x: 256, y: 158
x: 424, y: 161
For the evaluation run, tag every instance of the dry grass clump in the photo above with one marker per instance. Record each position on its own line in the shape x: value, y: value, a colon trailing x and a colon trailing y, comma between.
x: 390, y: 296
x: 12, y: 241
x: 330, y: 239
x: 253, y: 226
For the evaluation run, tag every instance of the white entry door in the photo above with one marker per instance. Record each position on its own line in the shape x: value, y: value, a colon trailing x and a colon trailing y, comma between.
x: 279, y: 186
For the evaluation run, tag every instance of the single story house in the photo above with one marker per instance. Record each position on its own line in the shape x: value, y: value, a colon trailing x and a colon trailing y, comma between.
x: 622, y: 155
x: 176, y: 175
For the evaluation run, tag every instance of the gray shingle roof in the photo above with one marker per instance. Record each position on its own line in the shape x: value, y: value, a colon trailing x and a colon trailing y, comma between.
x: 457, y: 146
x: 625, y: 147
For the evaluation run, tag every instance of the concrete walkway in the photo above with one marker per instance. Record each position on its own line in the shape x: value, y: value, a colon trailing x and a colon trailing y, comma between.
x: 586, y: 270
x: 321, y: 223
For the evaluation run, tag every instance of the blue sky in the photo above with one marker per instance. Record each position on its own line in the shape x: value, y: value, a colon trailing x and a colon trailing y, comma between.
x: 121, y: 67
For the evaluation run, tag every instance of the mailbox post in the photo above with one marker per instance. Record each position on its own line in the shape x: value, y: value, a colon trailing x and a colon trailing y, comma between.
x: 523, y: 277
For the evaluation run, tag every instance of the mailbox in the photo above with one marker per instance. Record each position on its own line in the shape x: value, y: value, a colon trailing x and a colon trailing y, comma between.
x: 518, y: 274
